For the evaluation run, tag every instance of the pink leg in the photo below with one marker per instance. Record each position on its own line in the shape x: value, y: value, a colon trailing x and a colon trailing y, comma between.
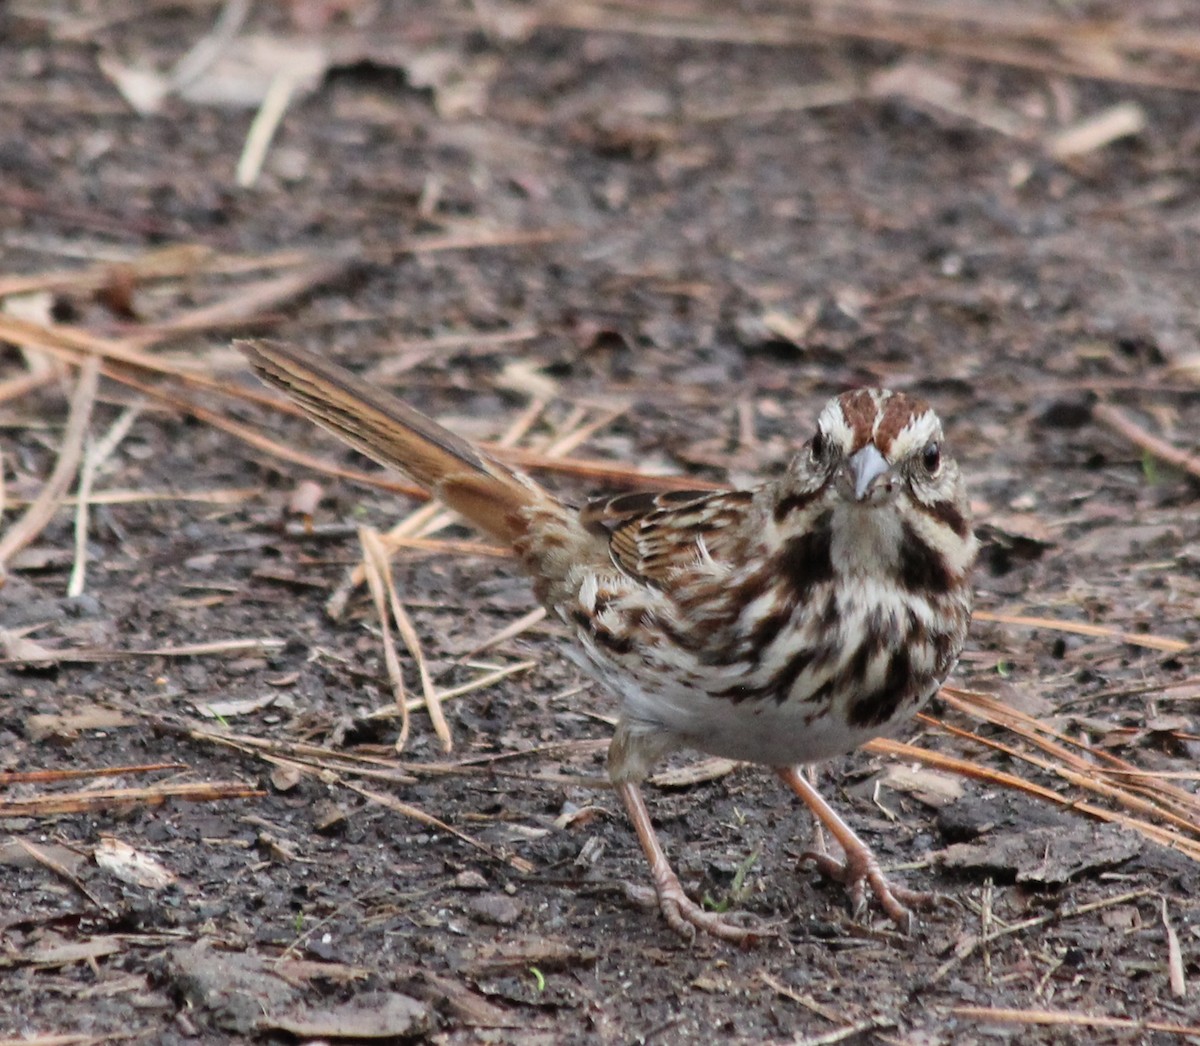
x: 684, y: 915
x: 860, y: 867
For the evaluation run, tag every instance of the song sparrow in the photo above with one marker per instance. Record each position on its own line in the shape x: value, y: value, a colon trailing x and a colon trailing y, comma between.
x: 780, y: 625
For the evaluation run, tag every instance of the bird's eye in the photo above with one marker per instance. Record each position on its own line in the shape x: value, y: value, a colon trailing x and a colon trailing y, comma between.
x: 818, y: 446
x: 931, y: 458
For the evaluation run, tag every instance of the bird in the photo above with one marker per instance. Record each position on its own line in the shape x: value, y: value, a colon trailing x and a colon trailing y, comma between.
x: 782, y: 625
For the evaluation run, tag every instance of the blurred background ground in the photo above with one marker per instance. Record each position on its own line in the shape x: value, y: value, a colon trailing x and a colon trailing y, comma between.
x: 665, y: 232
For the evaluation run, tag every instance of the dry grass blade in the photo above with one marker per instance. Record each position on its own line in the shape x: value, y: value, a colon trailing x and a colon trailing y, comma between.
x: 309, y: 756
x: 218, y: 496
x: 416, y: 814
x: 447, y: 546
x: 433, y: 702
x: 1071, y: 911
x: 1094, y: 761
x: 126, y: 798
x: 378, y: 578
x: 42, y: 510
x: 8, y: 777
x: 70, y: 1039
x: 1178, y: 978
x: 93, y: 654
x: 1116, y: 52
x: 249, y: 303
x: 966, y: 768
x: 490, y: 676
x: 1120, y: 422
x: 262, y: 129
x: 1080, y: 628
x: 180, y: 260
x: 95, y: 455
x: 471, y: 241
x: 419, y: 521
x: 1087, y: 780
x: 25, y: 385
x: 509, y: 631
x: 1058, y: 1018
x: 127, y: 365
x: 404, y: 626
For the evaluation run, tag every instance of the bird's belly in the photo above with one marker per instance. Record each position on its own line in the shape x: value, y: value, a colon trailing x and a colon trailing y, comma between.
x: 813, y: 693
x: 757, y: 730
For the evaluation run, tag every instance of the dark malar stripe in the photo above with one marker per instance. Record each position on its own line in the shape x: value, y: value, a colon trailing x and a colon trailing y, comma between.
x: 806, y: 559
x: 784, y: 507
x: 922, y: 569
x: 947, y: 514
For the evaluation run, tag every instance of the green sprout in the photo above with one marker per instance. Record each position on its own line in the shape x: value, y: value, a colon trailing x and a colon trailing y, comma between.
x: 1150, y: 468
x: 737, y: 889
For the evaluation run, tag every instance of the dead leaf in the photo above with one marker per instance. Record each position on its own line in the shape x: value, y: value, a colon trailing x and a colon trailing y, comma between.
x: 491, y: 959
x: 1047, y: 855
x: 245, y: 70
x: 53, y: 952
x: 15, y: 647
x: 230, y: 708
x: 931, y: 787
x: 132, y: 866
x: 382, y: 1015
x: 14, y: 855
x: 230, y: 990
x: 285, y: 778
x: 68, y: 726
x: 705, y: 770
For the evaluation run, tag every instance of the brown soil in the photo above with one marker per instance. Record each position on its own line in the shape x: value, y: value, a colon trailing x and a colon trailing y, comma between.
x: 718, y: 256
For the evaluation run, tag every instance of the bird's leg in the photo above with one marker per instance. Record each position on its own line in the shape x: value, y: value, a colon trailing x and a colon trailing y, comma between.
x: 817, y: 847
x: 629, y: 756
x: 860, y: 868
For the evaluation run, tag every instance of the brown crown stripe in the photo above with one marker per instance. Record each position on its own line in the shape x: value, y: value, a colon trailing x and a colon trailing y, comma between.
x: 858, y: 409
x: 897, y: 413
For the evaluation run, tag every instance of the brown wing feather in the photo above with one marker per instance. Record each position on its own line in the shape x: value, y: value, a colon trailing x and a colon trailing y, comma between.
x: 653, y: 535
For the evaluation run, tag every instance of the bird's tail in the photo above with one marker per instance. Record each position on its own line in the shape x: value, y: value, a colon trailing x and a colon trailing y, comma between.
x: 492, y: 496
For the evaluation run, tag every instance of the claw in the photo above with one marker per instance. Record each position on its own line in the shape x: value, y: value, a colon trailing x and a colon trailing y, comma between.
x: 683, y: 915
x: 859, y: 868
x: 856, y: 876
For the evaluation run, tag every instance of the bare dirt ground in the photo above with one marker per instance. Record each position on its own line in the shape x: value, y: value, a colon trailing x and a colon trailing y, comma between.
x: 669, y: 233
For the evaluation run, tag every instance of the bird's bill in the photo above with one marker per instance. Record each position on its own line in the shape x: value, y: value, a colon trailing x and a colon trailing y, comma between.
x: 865, y: 467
